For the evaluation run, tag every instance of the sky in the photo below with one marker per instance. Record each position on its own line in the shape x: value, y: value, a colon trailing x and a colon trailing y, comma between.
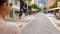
x: 42, y: 1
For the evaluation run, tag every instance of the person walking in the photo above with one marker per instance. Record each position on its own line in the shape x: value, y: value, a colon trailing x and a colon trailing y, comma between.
x: 6, y: 27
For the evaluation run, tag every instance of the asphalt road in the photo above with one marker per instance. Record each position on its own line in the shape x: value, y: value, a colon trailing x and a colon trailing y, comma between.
x: 40, y: 25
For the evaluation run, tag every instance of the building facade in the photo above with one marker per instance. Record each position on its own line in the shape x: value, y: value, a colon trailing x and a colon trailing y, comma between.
x: 58, y: 5
x: 34, y: 2
x: 49, y: 3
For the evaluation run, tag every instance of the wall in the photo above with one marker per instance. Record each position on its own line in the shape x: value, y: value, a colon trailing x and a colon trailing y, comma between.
x: 49, y: 3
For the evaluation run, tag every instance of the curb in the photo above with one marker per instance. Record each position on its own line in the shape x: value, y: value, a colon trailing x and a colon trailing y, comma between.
x: 54, y: 24
x: 28, y: 22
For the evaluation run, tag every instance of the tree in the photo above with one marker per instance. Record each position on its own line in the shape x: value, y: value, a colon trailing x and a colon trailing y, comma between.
x: 29, y: 7
x: 28, y: 0
x: 38, y: 9
x: 54, y: 5
x: 44, y: 8
x: 34, y: 6
x: 57, y: 0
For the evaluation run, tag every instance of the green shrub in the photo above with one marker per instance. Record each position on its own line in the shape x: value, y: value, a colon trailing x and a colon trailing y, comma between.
x: 44, y: 8
x: 57, y: 0
x: 53, y: 6
x: 34, y: 6
x: 39, y: 9
x: 29, y: 7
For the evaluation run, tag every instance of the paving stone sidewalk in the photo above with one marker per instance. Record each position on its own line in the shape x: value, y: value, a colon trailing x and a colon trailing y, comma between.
x: 23, y: 21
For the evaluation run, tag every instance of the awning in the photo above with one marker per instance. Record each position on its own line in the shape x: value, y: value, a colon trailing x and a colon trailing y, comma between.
x: 54, y: 8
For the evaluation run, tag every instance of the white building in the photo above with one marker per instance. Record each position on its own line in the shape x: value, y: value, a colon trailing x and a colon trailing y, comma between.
x: 34, y: 2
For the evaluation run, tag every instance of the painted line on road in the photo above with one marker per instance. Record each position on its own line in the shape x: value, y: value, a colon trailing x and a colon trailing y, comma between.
x: 54, y: 24
x: 29, y: 21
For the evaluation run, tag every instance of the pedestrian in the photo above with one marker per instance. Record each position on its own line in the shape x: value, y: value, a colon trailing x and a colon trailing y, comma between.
x: 5, y: 27
x: 21, y: 8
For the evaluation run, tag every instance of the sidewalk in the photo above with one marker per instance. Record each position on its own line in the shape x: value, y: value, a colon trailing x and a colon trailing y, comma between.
x: 54, y: 20
x: 23, y: 21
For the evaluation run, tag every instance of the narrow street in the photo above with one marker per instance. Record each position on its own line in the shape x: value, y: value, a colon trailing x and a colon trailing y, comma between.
x: 40, y: 25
